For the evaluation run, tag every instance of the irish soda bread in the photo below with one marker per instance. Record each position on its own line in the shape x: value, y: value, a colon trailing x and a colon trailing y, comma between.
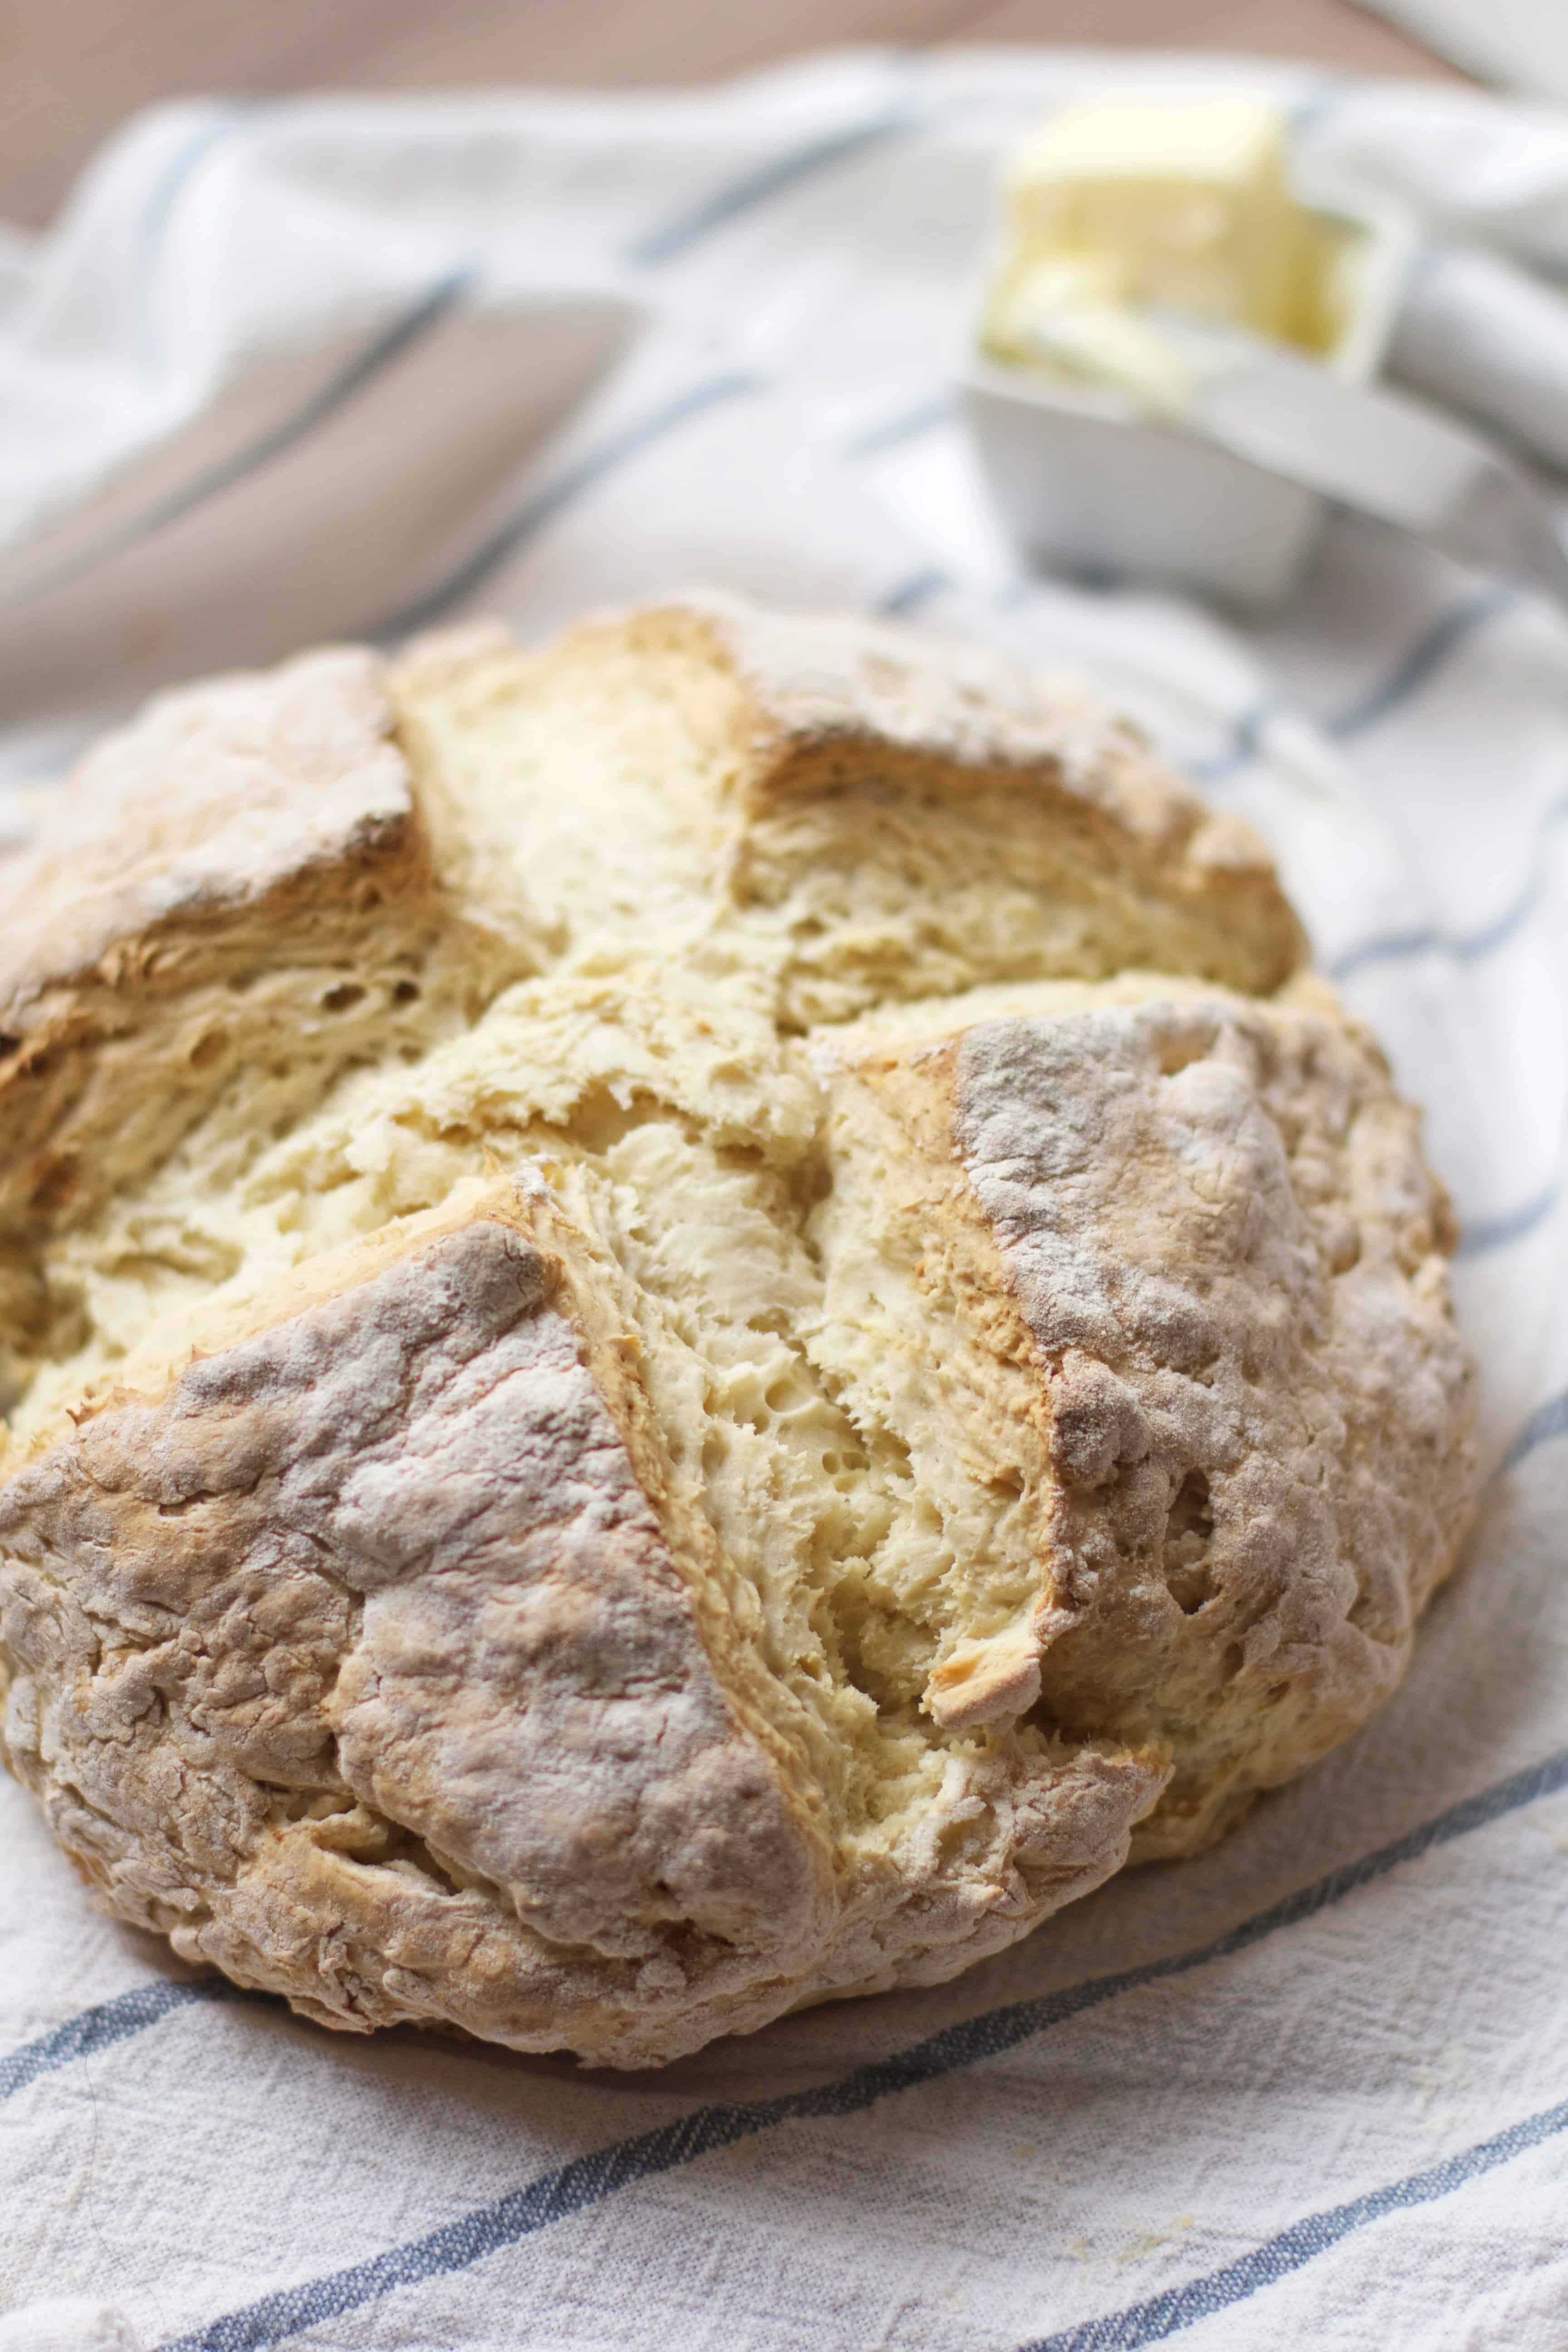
x: 692, y: 1322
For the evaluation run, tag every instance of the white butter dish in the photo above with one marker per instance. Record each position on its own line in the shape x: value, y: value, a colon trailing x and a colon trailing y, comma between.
x: 1088, y: 480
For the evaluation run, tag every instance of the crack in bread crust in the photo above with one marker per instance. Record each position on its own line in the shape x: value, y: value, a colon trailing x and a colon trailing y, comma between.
x: 524, y: 1688
x: 1201, y: 1320
x: 677, y: 1345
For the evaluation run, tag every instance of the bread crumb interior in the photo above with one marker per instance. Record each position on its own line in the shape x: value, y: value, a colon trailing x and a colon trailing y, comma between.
x: 680, y: 975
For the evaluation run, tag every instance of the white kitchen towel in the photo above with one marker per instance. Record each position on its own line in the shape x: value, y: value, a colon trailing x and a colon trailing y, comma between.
x: 1311, y: 2088
x: 1522, y: 44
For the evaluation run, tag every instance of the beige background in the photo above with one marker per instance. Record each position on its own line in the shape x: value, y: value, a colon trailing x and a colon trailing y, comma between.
x: 70, y: 69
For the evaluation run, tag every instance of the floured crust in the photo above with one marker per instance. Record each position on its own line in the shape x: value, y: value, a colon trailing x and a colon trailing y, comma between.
x: 390, y: 1560
x: 677, y: 1345
x: 1202, y: 1259
x: 390, y: 1554
x: 200, y: 882
x: 841, y: 704
x: 214, y: 797
x: 870, y: 813
x: 830, y: 693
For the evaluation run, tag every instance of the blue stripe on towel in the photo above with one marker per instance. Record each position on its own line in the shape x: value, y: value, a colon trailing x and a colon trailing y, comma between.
x: 910, y: 594
x: 166, y: 191
x: 1414, y: 668
x: 1549, y: 1421
x: 1184, y: 2307
x: 590, y: 468
x: 1482, y: 1233
x: 909, y: 424
x: 589, y: 2179
x: 1467, y: 947
x: 744, y: 194
x: 98, y: 2027
x: 1244, y: 745
x: 1424, y: 660
x: 383, y: 352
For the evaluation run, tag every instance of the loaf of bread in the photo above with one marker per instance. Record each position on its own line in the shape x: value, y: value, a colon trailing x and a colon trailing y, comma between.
x: 692, y: 1323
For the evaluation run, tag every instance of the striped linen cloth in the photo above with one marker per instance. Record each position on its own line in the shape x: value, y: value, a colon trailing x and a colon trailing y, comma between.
x: 1311, y: 2088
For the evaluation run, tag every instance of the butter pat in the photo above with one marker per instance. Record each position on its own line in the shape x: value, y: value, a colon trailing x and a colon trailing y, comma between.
x: 1139, y: 245
x: 1184, y: 205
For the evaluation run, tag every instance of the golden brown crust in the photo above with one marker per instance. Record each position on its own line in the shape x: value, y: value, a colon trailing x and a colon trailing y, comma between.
x: 378, y: 1592
x: 659, y: 1387
x: 839, y: 707
x: 846, y: 810
x: 392, y: 1552
x: 206, y: 878
x: 1206, y: 1228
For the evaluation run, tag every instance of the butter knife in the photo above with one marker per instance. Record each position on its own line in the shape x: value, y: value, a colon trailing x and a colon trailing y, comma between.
x: 1377, y: 451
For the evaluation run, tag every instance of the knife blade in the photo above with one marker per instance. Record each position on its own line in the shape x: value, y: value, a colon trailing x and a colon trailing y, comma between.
x: 1377, y: 451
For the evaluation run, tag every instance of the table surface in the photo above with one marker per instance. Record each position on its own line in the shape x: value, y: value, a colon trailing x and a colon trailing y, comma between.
x: 75, y: 68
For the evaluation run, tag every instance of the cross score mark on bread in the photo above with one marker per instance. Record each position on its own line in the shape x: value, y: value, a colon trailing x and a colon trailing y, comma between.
x: 694, y: 1321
